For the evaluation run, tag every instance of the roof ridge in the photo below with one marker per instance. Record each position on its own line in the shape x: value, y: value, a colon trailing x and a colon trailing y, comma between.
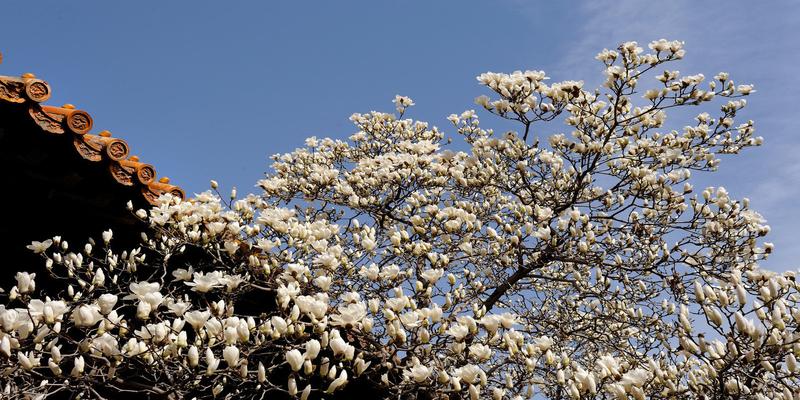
x: 126, y: 169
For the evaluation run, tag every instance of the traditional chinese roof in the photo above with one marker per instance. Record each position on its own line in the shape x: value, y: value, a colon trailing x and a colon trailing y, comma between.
x: 27, y: 93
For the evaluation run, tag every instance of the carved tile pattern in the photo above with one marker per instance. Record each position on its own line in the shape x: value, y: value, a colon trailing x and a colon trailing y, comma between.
x: 38, y: 91
x: 122, y: 174
x: 11, y: 91
x: 79, y: 122
x: 57, y: 120
x: 50, y: 123
x: 146, y: 174
x: 87, y: 149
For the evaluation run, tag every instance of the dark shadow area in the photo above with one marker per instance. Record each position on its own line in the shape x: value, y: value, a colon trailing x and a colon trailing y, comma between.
x: 49, y: 189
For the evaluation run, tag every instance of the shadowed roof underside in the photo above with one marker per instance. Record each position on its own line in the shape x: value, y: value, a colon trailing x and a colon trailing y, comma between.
x: 26, y: 94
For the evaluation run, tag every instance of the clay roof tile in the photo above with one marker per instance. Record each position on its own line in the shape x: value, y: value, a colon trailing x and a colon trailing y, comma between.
x: 29, y: 91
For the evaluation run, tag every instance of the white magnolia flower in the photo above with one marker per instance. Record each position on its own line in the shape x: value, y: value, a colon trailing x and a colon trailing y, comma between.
x: 105, y: 344
x: 178, y: 307
x: 480, y: 351
x: 745, y: 89
x: 469, y: 373
x: 212, y: 363
x: 312, y: 349
x: 323, y: 282
x: 24, y: 361
x: 635, y: 378
x: 25, y: 282
x: 106, y: 302
x: 107, y: 235
x: 402, y: 102
x: 262, y: 373
x: 342, y: 348
x: 419, y: 373
x: 51, y: 311
x: 40, y: 247
x: 608, y: 366
x: 279, y: 325
x: 99, y: 278
x: 543, y: 343
x: 77, y: 369
x: 197, y: 318
x: 141, y: 289
x: 432, y: 275
x: 231, y: 247
x: 181, y: 274
x: 337, y: 265
x: 338, y: 382
x: 491, y: 322
x: 54, y: 367
x: 86, y: 315
x: 361, y: 366
x: 349, y: 315
x: 295, y: 359
x: 193, y: 355
x: 205, y: 282
x: 5, y: 346
x: 410, y: 319
x: 231, y: 356
x: 458, y: 332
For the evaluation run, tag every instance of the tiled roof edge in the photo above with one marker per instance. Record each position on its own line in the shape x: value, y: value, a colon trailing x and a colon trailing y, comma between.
x: 101, y: 148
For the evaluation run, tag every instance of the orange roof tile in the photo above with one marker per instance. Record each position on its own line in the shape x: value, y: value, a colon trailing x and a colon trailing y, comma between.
x: 100, y: 148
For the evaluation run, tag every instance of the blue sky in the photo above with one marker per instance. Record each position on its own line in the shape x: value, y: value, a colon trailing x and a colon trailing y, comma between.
x: 210, y: 89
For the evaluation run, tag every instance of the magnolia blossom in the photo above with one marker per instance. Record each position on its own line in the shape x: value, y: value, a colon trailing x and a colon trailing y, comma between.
x: 480, y: 351
x: 458, y: 332
x: 25, y: 282
x: 512, y: 264
x: 181, y: 274
x: 212, y: 363
x: 312, y: 349
x: 107, y: 235
x: 5, y: 346
x: 338, y: 382
x: 193, y: 356
x: 205, y: 282
x: 24, y: 361
x: 349, y: 315
x: 86, y: 315
x: 402, y: 102
x: 142, y: 289
x: 178, y: 308
x: 419, y: 373
x: 77, y: 369
x: 51, y: 311
x: 40, y: 247
x: 342, y: 348
x: 469, y: 373
x: 432, y: 275
x: 295, y: 359
x: 106, y: 301
x: 231, y: 356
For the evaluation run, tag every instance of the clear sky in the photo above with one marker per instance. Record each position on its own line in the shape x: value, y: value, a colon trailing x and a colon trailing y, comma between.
x: 209, y: 89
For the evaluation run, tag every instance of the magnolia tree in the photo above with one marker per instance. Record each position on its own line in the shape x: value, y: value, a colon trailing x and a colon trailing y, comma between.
x: 581, y: 266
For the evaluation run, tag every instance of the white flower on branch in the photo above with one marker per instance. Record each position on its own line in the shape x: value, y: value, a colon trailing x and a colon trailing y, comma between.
x: 295, y: 359
x: 578, y: 264
x: 40, y: 247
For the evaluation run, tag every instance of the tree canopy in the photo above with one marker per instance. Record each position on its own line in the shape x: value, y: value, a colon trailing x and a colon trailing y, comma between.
x: 527, y: 264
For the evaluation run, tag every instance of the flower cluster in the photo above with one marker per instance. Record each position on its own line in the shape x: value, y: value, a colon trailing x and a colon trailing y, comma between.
x: 581, y: 266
